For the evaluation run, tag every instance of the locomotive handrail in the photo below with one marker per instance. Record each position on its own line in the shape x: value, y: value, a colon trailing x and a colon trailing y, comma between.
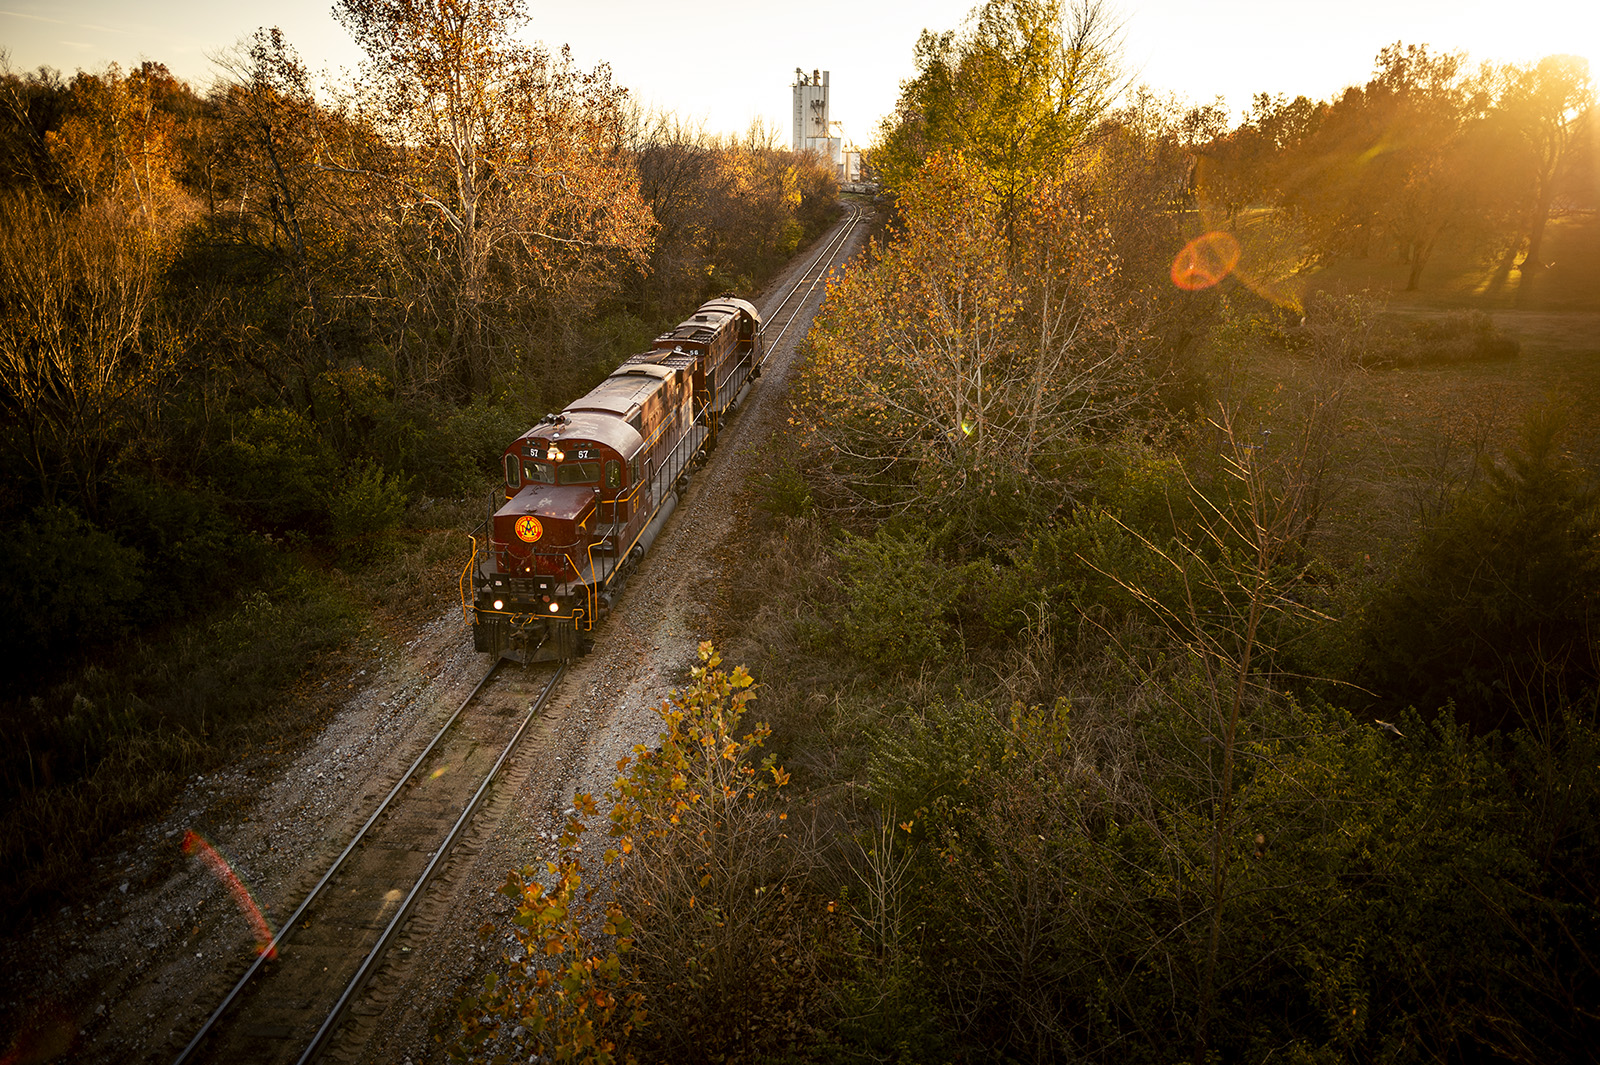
x: 466, y: 611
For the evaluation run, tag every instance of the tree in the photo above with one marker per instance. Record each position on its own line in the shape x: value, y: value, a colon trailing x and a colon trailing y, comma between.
x: 119, y: 141
x: 1013, y: 94
x: 944, y: 373
x: 1543, y: 105
x: 76, y: 360
x: 30, y: 106
x: 1498, y: 610
x: 698, y: 902
x: 676, y: 162
x: 1249, y: 165
x: 267, y: 142
x: 503, y: 162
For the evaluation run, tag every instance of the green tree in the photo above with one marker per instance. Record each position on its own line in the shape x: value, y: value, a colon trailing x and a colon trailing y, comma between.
x: 1014, y: 94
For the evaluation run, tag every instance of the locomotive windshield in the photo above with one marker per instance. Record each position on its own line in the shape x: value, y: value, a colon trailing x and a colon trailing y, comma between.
x: 538, y: 472
x: 579, y: 473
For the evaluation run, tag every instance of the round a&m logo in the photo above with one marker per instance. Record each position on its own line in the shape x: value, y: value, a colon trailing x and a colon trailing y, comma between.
x: 528, y: 528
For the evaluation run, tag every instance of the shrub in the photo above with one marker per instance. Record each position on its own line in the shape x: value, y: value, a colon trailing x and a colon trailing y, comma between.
x: 1460, y: 336
x: 276, y: 470
x: 366, y: 510
x: 69, y: 583
x: 192, y: 547
x: 783, y: 491
x: 1498, y: 608
x: 897, y: 595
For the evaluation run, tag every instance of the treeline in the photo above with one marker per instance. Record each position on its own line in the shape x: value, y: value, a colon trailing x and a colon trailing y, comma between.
x: 281, y: 315
x: 1431, y: 152
x: 1091, y: 744
x: 244, y: 327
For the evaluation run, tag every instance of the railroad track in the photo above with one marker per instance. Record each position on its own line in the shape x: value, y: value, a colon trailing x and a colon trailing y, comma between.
x: 799, y: 294
x: 293, y: 997
x: 290, y: 1004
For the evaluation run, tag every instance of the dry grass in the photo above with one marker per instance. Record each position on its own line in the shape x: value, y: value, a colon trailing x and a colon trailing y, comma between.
x: 1414, y: 435
x: 1462, y: 277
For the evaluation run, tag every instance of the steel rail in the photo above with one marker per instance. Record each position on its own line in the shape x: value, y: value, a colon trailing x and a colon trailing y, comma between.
x: 827, y: 255
x: 319, y: 1042
x: 282, y: 935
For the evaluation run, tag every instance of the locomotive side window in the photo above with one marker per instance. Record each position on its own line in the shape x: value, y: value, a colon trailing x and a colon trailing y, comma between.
x: 513, y: 473
x: 613, y: 474
x: 538, y: 472
x: 579, y: 473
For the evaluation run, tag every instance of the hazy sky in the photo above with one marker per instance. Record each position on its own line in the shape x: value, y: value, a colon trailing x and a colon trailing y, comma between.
x: 728, y: 61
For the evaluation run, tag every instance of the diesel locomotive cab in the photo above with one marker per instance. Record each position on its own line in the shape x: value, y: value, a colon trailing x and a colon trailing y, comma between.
x: 552, y: 542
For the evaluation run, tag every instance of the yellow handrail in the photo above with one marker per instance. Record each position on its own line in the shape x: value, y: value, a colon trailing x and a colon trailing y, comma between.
x: 466, y: 612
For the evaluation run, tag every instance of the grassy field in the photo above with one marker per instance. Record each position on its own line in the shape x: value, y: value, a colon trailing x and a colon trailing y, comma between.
x: 1412, y: 435
x: 1458, y: 277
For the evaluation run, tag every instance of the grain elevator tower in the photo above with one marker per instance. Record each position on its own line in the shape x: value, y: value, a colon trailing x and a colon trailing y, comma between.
x: 814, y: 130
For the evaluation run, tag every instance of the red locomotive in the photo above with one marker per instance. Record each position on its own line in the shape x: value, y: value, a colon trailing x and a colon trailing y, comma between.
x: 587, y: 490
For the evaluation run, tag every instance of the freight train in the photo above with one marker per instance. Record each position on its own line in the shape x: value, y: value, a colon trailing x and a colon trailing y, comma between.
x: 587, y: 490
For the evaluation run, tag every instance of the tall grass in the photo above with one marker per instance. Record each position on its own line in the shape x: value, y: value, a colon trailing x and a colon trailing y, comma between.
x: 114, y: 743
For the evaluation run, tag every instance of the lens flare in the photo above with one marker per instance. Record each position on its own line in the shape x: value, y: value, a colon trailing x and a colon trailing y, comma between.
x: 265, y: 939
x: 1205, y: 261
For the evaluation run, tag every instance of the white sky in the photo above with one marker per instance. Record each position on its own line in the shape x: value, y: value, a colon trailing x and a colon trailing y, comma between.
x: 729, y: 61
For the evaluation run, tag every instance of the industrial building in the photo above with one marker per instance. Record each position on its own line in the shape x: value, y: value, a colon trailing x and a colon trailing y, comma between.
x: 814, y: 131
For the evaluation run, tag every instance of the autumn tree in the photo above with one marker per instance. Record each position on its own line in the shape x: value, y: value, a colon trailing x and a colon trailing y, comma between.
x: 941, y: 374
x: 1013, y: 93
x: 265, y: 142
x: 729, y: 208
x: 692, y: 909
x: 504, y: 164
x: 76, y: 362
x: 119, y: 142
x: 81, y: 350
x: 30, y: 106
x: 760, y: 193
x: 1250, y: 164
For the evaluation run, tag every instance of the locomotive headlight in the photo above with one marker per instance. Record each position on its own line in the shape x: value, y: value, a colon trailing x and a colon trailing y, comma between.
x: 555, y: 454
x: 499, y: 604
x: 555, y: 608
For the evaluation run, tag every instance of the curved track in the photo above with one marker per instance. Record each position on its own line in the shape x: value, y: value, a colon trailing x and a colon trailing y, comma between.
x: 814, y: 274
x: 291, y: 999
x: 131, y: 975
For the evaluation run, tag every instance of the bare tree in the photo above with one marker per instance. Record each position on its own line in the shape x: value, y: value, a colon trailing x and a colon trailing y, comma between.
x: 75, y: 360
x: 506, y: 164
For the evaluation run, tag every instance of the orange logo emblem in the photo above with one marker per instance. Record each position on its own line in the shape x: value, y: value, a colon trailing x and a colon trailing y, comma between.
x: 528, y: 528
